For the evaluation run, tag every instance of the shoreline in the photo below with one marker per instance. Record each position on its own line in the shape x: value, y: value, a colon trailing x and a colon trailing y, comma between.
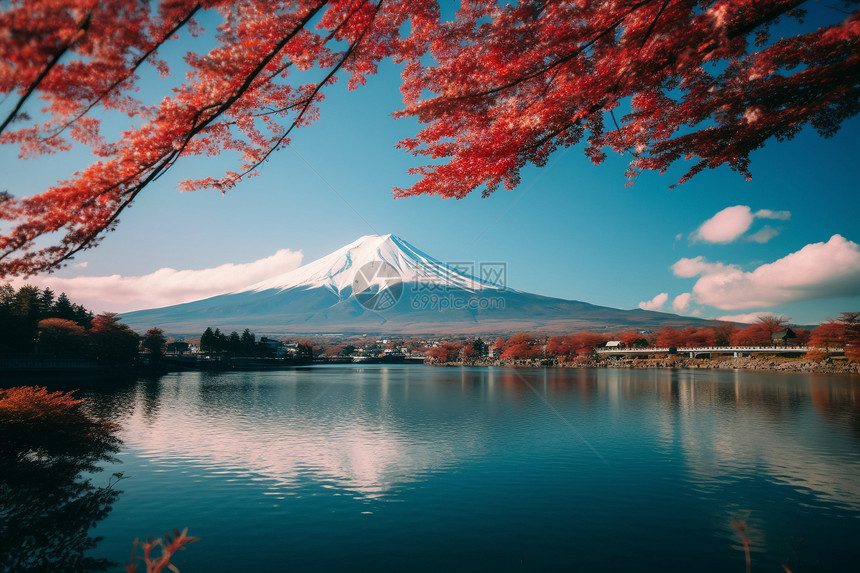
x: 829, y: 365
x: 766, y: 364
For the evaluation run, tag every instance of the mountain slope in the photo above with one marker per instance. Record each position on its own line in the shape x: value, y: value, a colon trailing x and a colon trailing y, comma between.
x: 382, y: 284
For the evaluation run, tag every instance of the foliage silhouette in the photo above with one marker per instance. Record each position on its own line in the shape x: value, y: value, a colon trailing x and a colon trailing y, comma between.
x: 48, y: 503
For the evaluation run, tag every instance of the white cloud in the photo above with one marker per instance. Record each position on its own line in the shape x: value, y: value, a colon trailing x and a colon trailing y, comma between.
x: 688, y: 268
x: 817, y: 271
x: 165, y: 286
x: 681, y: 303
x: 768, y: 214
x: 764, y: 235
x: 732, y: 222
x: 655, y: 303
x: 82, y: 265
x: 748, y: 318
x: 725, y: 226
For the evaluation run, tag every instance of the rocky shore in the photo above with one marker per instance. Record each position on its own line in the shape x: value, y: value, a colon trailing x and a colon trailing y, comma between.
x: 761, y: 363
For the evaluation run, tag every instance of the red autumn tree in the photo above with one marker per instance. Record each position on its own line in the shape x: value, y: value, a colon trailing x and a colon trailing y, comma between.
x: 111, y: 341
x: 499, y: 86
x: 843, y: 332
x: 445, y: 352
x: 760, y: 333
x: 521, y: 346
x: 60, y: 336
x: 632, y: 338
x: 773, y: 323
x: 568, y: 347
x: 467, y: 352
x: 723, y: 333
x: 585, y: 341
x: 669, y: 337
x: 521, y: 351
x: 851, y: 320
x: 699, y: 336
x: 753, y: 335
x: 559, y: 346
x: 828, y: 336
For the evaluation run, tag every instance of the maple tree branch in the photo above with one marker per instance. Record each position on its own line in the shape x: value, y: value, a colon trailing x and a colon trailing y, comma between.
x: 556, y: 63
x: 840, y: 10
x: 161, y: 164
x: 273, y: 111
x: 309, y: 99
x: 130, y: 71
x: 277, y: 72
x: 564, y: 66
x: 250, y: 77
x: 168, y: 160
x: 556, y: 132
x: 736, y: 32
x: 343, y: 22
x: 634, y: 153
x: 768, y: 17
x: 651, y: 28
x: 327, y: 38
x: 79, y: 33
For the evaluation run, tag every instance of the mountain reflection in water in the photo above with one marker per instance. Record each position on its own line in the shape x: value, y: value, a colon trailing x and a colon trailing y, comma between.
x: 370, y: 437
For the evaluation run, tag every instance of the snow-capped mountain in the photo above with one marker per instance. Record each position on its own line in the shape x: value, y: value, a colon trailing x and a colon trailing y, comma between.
x: 336, y: 271
x: 382, y: 284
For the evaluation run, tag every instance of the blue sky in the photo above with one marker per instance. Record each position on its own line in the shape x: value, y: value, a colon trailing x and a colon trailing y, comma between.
x: 570, y: 230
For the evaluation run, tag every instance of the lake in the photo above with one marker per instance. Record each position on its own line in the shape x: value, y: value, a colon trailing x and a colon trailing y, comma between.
x: 414, y: 468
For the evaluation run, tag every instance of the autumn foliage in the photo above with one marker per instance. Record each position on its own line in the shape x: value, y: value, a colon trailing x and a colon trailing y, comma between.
x: 687, y: 79
x: 50, y: 451
x: 158, y: 563
x: 753, y: 335
x: 843, y: 332
x: 445, y: 352
x: 522, y: 346
x: 61, y: 337
x: 498, y: 86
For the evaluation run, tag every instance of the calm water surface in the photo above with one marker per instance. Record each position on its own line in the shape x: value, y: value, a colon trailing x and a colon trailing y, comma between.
x: 412, y: 468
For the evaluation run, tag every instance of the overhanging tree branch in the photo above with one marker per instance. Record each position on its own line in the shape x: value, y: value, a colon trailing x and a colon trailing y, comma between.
x: 78, y: 34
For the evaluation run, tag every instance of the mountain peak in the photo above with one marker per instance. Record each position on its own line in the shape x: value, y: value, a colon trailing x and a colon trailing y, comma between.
x: 348, y: 291
x: 336, y: 271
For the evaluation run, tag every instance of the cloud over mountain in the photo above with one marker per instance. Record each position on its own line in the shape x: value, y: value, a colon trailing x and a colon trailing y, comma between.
x: 166, y: 286
x: 655, y: 303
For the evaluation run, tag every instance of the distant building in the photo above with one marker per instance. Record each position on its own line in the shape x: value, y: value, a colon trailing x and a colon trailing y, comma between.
x: 615, y: 344
x: 276, y: 347
x: 782, y: 336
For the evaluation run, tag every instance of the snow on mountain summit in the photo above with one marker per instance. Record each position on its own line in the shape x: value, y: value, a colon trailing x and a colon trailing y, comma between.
x: 336, y: 271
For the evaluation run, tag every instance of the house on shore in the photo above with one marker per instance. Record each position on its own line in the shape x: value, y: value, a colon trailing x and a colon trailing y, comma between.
x: 782, y: 337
